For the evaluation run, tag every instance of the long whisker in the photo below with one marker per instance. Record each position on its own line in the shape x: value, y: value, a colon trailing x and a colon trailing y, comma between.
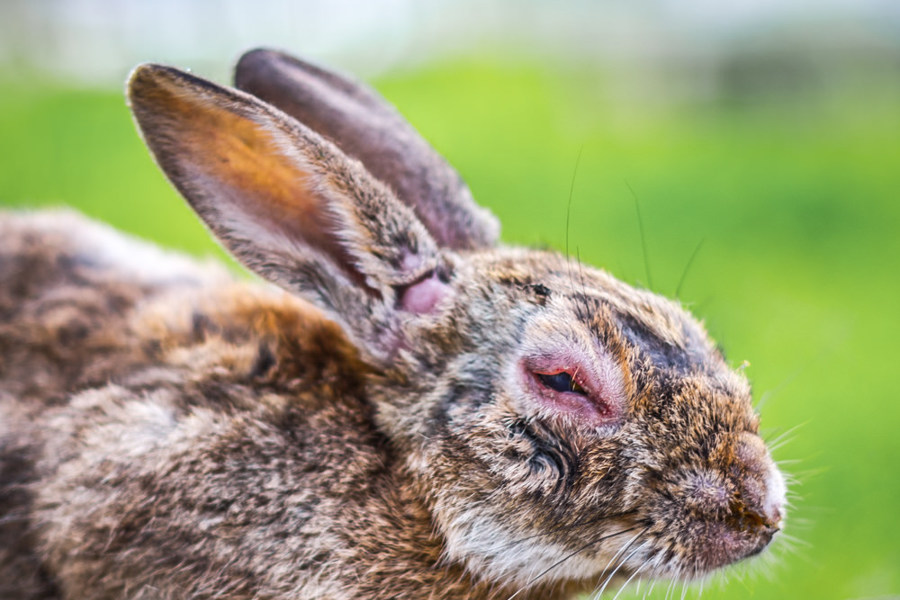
x: 636, y: 571
x: 581, y: 549
x: 652, y: 585
x: 622, y: 562
x: 670, y: 588
x: 616, y: 556
x: 687, y: 267
x: 566, y: 526
x: 637, y: 208
x: 783, y: 437
x: 571, y: 194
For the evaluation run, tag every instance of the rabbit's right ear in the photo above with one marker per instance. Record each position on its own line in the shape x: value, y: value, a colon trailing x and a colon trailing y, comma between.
x: 290, y: 205
x: 366, y: 127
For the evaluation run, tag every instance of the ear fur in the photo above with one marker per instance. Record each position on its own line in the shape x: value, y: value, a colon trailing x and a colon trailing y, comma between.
x: 368, y: 128
x: 286, y: 202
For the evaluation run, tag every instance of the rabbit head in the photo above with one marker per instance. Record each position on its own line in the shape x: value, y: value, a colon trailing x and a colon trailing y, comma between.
x: 560, y: 424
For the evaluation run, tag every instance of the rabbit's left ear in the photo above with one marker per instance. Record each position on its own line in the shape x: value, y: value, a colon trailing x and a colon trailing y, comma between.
x: 365, y: 126
x: 290, y: 205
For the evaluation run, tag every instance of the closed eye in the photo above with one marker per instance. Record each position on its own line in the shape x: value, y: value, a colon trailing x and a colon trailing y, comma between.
x: 561, y: 382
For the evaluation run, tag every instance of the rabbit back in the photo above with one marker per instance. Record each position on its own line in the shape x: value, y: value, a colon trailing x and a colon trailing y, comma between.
x: 64, y: 310
x: 166, y: 422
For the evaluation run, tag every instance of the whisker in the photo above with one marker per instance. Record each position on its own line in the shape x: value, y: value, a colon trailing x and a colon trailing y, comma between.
x: 637, y: 208
x: 540, y: 575
x: 802, y: 477
x: 670, y: 588
x: 781, y: 444
x: 788, y: 462
x: 571, y: 194
x: 652, y: 586
x: 640, y: 580
x: 779, y: 440
x: 795, y: 540
x: 636, y: 571
x: 687, y: 267
x: 566, y: 526
x: 621, y: 562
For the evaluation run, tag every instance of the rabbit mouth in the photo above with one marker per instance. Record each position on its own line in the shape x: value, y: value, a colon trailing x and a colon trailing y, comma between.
x: 713, y: 545
x: 689, y: 544
x: 691, y: 555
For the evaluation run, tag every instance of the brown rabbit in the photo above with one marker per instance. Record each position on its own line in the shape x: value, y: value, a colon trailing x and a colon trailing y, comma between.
x: 416, y: 413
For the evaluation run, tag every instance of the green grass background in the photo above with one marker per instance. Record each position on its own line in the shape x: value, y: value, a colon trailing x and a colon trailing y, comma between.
x: 795, y: 201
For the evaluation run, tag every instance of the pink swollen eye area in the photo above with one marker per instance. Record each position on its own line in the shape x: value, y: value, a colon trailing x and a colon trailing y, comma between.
x: 559, y: 390
x: 581, y: 387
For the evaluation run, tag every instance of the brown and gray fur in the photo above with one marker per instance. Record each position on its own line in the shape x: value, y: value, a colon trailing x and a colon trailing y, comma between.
x: 378, y: 423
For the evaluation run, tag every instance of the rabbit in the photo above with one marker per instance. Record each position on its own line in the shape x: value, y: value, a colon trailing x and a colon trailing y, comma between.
x: 404, y: 408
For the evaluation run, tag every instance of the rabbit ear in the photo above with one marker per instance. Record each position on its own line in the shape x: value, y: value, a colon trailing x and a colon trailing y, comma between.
x: 366, y: 127
x: 289, y: 204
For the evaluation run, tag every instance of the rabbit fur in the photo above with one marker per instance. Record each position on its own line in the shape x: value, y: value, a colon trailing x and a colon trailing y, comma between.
x: 410, y: 411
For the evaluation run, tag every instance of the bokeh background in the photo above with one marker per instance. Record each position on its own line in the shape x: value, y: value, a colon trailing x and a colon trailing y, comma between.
x: 758, y: 139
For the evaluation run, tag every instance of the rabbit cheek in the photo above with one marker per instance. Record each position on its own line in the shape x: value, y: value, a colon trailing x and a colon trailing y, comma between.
x: 536, y: 460
x: 512, y: 556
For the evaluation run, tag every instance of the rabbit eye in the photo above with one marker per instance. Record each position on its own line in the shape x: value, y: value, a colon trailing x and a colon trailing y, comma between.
x: 561, y: 382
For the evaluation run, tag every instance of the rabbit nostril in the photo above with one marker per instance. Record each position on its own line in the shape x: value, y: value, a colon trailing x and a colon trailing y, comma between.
x: 763, y: 488
x: 773, y: 503
x: 750, y: 518
x: 773, y: 517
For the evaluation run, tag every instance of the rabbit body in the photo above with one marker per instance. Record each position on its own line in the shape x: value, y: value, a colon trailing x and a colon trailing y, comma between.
x: 189, y: 435
x: 411, y: 412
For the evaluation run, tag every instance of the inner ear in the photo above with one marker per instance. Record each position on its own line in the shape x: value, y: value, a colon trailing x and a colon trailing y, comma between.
x: 367, y: 127
x: 290, y: 205
x: 257, y: 177
x: 426, y: 295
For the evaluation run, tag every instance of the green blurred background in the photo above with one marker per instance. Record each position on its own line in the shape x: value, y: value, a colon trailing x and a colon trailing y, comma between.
x: 766, y: 134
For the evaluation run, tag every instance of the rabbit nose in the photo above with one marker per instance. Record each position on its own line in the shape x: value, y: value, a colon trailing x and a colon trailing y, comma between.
x: 762, y: 491
x: 773, y: 503
x: 749, y: 518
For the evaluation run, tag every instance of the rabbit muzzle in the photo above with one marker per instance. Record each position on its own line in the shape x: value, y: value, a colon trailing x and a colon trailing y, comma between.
x: 729, y: 510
